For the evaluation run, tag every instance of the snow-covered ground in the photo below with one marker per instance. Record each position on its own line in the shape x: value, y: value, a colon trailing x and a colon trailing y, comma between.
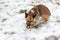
x: 12, y: 24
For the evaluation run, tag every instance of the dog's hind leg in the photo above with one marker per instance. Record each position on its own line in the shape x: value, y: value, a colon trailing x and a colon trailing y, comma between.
x: 45, y: 18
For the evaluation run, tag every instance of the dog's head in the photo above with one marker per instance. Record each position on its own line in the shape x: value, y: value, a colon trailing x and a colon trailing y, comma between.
x: 31, y: 18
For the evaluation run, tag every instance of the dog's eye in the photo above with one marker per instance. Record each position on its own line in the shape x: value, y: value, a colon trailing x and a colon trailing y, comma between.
x: 28, y: 21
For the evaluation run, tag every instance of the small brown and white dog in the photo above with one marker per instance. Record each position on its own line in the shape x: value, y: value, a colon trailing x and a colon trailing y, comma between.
x: 35, y: 13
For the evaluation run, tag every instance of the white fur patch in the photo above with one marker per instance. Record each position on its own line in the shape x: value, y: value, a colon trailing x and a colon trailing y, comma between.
x: 34, y: 19
x: 40, y: 20
x: 32, y: 11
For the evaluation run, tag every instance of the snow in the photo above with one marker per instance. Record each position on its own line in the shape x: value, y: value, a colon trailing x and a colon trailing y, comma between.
x: 12, y: 24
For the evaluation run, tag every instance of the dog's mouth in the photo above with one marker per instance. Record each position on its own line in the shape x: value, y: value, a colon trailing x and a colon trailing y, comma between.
x: 29, y: 27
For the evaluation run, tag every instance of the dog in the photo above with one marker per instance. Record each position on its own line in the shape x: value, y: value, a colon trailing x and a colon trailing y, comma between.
x: 35, y: 13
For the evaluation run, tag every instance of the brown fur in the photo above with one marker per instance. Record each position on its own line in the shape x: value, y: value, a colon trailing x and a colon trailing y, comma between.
x: 35, y: 13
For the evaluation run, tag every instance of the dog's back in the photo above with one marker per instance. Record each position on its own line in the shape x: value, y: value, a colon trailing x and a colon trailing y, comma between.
x: 43, y: 10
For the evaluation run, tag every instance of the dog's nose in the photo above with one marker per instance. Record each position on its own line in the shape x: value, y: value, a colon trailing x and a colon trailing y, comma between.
x: 28, y: 24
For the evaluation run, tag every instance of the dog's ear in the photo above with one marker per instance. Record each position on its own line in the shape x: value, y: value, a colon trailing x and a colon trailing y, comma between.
x: 26, y: 13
